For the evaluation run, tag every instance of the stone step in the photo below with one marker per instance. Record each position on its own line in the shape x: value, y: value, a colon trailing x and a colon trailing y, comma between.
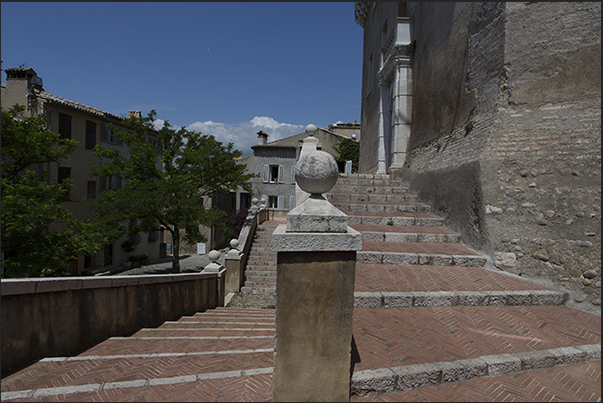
x: 372, y: 197
x: 402, y: 348
x: 364, y: 176
x: 458, y: 298
x: 416, y: 253
x: 387, y: 233
x: 342, y: 188
x: 367, y: 182
x: 261, y: 267
x: 380, y: 207
x: 267, y: 278
x: 394, y: 219
x: 258, y: 289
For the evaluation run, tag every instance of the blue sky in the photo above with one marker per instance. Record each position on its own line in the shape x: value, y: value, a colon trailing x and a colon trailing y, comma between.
x: 226, y: 68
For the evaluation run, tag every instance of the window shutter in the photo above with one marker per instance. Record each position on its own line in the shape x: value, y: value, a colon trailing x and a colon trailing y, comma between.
x: 293, y: 175
x: 291, y: 202
x: 104, y: 133
x: 103, y: 184
x: 281, y: 202
x: 281, y: 174
x: 266, y: 173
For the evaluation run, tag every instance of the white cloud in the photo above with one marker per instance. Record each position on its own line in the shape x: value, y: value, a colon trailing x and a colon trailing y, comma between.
x: 244, y: 135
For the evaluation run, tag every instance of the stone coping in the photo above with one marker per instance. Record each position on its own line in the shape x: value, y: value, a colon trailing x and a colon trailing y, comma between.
x: 39, y: 285
x: 283, y: 241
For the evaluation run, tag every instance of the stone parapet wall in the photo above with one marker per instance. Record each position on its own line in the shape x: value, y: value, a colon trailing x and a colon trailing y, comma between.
x: 49, y: 317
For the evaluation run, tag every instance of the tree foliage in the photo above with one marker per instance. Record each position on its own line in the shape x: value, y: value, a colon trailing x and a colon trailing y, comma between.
x: 348, y: 150
x: 165, y: 183
x: 39, y: 236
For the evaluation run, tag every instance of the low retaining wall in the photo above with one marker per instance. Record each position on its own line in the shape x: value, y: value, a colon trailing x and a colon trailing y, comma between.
x: 54, y: 317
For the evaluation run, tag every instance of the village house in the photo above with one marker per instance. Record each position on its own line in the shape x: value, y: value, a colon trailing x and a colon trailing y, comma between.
x: 89, y: 126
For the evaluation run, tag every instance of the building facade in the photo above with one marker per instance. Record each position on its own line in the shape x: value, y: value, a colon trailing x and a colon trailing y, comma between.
x: 88, y: 126
x: 491, y: 112
x: 274, y: 163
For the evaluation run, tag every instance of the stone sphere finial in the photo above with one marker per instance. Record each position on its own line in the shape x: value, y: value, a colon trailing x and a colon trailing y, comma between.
x: 234, y: 243
x: 255, y: 201
x: 213, y: 255
x: 311, y: 129
x: 316, y: 172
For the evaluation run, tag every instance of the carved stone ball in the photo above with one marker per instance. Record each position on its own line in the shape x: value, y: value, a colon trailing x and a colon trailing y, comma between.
x: 316, y: 172
x: 213, y: 255
x: 234, y: 243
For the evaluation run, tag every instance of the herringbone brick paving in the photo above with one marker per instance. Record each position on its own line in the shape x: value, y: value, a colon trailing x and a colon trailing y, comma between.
x: 394, y: 337
x: 412, y: 278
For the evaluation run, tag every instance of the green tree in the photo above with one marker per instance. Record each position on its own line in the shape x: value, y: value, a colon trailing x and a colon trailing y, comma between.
x: 39, y: 236
x: 166, y: 183
x: 348, y: 150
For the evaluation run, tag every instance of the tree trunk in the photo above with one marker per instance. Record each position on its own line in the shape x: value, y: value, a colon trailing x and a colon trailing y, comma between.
x: 176, y: 251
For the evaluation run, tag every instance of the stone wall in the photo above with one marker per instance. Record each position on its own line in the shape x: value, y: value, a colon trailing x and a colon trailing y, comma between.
x: 64, y: 316
x: 522, y: 181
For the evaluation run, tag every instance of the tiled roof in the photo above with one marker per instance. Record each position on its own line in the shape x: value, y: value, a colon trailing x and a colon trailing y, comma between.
x: 76, y: 105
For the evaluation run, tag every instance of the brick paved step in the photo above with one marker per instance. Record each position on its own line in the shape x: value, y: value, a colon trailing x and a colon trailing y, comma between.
x: 394, y: 219
x: 261, y: 260
x: 173, y: 332
x: 230, y: 386
x: 263, y: 268
x: 372, y: 197
x: 426, y: 278
x: 124, y: 345
x: 390, y: 233
x: 399, y: 336
x: 572, y: 382
x: 380, y: 207
x: 421, y: 253
x: 52, y: 373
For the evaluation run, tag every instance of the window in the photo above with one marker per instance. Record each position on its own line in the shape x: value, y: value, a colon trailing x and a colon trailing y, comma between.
x: 272, y: 201
x: 63, y: 175
x: 274, y: 174
x: 91, y: 190
x: 90, y: 135
x: 107, y: 136
x: 109, y: 183
x: 291, y: 202
x: 293, y: 175
x: 64, y: 125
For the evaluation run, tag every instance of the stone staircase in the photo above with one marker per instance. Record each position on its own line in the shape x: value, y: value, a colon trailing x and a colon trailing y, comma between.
x: 260, y: 273
x: 432, y: 324
x: 223, y: 354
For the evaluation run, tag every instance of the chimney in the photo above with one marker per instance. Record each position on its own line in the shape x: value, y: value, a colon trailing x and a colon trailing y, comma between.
x: 134, y: 114
x: 262, y: 137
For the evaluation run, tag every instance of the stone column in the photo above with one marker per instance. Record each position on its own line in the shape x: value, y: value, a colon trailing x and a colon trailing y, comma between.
x: 316, y: 264
x: 309, y: 144
x: 402, y: 111
x: 381, y: 166
x: 215, y: 267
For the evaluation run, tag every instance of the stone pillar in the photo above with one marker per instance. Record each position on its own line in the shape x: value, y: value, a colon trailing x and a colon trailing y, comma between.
x: 402, y: 112
x: 381, y: 166
x: 316, y: 264
x: 309, y: 144
x: 232, y: 262
x: 215, y: 267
